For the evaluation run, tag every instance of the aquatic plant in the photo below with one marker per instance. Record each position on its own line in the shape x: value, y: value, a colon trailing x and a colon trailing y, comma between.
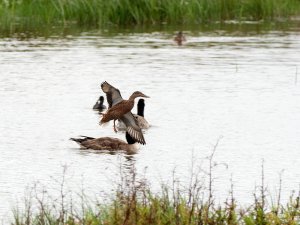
x: 20, y: 15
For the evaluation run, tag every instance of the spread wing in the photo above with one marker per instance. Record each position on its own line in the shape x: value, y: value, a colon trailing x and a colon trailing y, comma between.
x: 113, y: 96
x: 133, y: 128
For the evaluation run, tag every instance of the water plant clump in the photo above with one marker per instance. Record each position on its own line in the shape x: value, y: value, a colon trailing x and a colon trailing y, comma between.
x: 26, y: 14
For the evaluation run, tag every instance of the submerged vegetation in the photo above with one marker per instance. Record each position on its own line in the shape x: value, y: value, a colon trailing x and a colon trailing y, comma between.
x: 28, y: 14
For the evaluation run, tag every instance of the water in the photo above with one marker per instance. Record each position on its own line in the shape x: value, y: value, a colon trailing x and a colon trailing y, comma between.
x: 241, y: 88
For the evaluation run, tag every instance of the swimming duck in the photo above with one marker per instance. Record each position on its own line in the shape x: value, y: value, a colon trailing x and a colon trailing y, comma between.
x: 121, y: 108
x: 142, y: 122
x: 179, y: 38
x: 99, y: 104
x: 114, y: 97
x: 108, y: 143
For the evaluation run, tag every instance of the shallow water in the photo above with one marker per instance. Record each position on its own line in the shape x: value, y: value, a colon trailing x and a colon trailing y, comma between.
x: 241, y: 87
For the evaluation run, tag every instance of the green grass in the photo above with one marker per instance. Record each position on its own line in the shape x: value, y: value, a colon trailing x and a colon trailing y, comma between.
x: 28, y: 14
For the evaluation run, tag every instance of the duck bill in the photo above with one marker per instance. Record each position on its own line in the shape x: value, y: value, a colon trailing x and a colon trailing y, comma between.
x: 145, y: 96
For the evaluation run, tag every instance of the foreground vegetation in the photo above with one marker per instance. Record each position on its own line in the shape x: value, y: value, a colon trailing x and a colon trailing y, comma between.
x: 26, y: 14
x: 137, y: 204
x: 134, y: 202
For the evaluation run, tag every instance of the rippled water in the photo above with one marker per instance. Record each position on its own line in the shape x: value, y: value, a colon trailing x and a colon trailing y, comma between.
x: 241, y: 87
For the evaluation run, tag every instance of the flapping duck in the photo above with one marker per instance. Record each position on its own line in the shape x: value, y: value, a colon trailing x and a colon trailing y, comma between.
x: 121, y: 109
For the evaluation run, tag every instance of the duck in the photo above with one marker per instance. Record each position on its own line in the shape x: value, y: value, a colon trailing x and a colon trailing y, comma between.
x: 179, y: 38
x: 113, y: 96
x: 108, y: 143
x: 99, y: 104
x: 142, y: 122
x: 118, y: 110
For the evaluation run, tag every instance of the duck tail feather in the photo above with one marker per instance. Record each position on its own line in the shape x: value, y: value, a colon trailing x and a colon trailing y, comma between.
x: 104, y: 120
x: 78, y: 140
x: 103, y: 124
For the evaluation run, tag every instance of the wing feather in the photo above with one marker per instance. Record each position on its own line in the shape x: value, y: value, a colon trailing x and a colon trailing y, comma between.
x: 113, y: 95
x: 133, y: 128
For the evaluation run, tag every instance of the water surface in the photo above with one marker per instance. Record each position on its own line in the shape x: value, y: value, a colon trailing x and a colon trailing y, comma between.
x: 240, y: 86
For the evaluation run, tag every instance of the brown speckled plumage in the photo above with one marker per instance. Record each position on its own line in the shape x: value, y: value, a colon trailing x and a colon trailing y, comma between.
x: 117, y: 111
x: 107, y: 143
x: 104, y: 143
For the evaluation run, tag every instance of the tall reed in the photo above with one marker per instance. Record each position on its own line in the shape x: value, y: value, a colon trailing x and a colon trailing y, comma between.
x: 22, y: 14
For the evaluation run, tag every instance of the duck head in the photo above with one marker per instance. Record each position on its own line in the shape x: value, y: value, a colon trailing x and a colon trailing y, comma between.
x: 101, y: 99
x: 137, y: 94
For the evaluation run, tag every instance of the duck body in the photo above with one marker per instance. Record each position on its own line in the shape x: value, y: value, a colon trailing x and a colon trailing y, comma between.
x: 108, y: 144
x: 142, y: 122
x: 118, y: 110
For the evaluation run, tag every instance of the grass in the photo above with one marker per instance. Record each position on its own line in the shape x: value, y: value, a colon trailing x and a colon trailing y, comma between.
x: 134, y: 202
x: 21, y: 15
